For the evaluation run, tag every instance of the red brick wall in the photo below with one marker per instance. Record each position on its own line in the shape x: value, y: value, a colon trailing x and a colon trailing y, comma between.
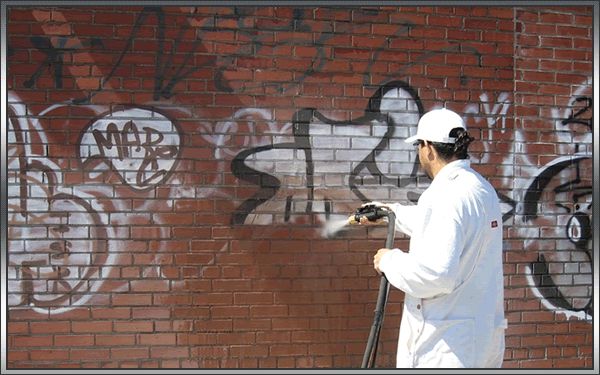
x: 176, y: 174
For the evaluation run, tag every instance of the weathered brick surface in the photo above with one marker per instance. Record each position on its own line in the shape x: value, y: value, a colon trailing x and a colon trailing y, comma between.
x: 175, y: 175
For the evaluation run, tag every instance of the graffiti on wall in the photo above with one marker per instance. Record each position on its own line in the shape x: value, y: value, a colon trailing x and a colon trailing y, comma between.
x: 64, y: 237
x: 556, y: 214
x: 141, y: 145
x: 320, y: 147
x: 313, y: 168
x: 55, y: 48
x: 367, y: 155
x: 51, y: 256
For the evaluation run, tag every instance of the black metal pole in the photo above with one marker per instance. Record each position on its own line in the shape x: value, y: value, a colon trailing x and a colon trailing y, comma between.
x: 384, y: 288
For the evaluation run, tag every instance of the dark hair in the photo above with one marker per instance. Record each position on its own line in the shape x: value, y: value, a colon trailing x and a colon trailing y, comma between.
x: 459, y: 149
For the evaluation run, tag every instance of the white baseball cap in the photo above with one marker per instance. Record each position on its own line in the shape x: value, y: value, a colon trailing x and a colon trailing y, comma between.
x: 435, y: 126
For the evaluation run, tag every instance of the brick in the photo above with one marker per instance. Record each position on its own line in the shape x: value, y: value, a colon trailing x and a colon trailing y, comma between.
x: 253, y: 298
x: 17, y: 356
x: 157, y: 339
x: 146, y: 312
x: 133, y: 326
x: 193, y: 313
x: 570, y: 339
x: 536, y: 363
x: 114, y: 339
x: 49, y: 354
x: 98, y: 326
x: 292, y: 323
x: 289, y: 350
x: 132, y: 299
x: 17, y: 328
x: 149, y: 286
x: 538, y: 340
x: 130, y: 353
x: 73, y: 340
x: 569, y: 363
x: 28, y: 341
x: 249, y: 351
x: 49, y: 327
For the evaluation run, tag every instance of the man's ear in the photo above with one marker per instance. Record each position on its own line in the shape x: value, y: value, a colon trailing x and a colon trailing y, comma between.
x: 429, y: 150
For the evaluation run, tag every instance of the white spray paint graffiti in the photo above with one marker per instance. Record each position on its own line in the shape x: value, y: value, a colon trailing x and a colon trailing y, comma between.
x: 140, y: 145
x: 243, y: 124
x: 67, y: 265
x: 494, y: 117
x: 562, y: 277
x: 64, y: 238
x: 50, y: 255
x: 325, y: 154
x: 336, y: 150
x: 332, y: 153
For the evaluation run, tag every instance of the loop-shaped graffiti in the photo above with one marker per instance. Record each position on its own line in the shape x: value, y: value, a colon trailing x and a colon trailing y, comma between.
x: 141, y: 145
x: 559, y: 202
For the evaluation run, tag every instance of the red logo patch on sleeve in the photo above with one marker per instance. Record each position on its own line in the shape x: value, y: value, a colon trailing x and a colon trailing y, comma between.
x: 494, y: 224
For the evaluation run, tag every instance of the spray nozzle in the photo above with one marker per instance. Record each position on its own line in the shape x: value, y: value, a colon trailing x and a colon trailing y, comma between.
x: 371, y: 211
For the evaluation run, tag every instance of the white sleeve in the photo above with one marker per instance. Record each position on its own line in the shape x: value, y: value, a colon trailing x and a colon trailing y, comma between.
x: 406, y: 216
x: 432, y: 270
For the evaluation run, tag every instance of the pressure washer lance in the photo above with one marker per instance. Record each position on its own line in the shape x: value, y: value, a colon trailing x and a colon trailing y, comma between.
x: 373, y: 213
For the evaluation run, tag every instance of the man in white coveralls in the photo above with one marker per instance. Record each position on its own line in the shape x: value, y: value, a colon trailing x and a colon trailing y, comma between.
x: 452, y: 275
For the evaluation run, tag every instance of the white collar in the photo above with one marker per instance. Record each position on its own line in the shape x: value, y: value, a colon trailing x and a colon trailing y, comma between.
x: 452, y: 166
